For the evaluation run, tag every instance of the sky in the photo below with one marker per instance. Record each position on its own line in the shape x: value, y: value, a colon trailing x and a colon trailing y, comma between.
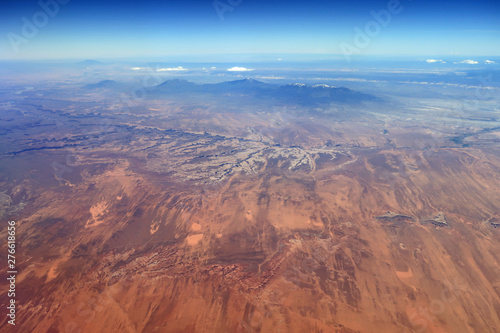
x: 89, y: 29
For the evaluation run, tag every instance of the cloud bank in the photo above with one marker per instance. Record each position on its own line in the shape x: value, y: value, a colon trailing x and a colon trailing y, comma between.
x: 430, y: 61
x: 468, y: 61
x: 180, y: 68
x: 239, y: 69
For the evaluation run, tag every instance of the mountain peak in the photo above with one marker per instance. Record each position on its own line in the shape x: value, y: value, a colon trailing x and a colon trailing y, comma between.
x: 246, y: 81
x: 89, y: 62
x: 175, y: 81
x: 103, y: 84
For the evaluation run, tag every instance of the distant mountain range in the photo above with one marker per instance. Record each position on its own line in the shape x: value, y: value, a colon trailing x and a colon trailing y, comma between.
x: 105, y: 84
x: 89, y: 63
x: 296, y: 93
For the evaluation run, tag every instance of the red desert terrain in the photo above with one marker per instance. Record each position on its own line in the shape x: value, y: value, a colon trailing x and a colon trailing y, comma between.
x: 264, y: 224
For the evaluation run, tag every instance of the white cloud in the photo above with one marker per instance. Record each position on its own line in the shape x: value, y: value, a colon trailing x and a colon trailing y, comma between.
x: 180, y: 68
x: 239, y: 69
x: 137, y: 68
x: 430, y: 61
x: 272, y: 77
x: 279, y: 59
x: 213, y: 67
x: 468, y: 61
x: 489, y: 62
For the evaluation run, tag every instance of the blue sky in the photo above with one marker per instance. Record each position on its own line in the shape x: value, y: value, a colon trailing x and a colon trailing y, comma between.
x: 92, y: 29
